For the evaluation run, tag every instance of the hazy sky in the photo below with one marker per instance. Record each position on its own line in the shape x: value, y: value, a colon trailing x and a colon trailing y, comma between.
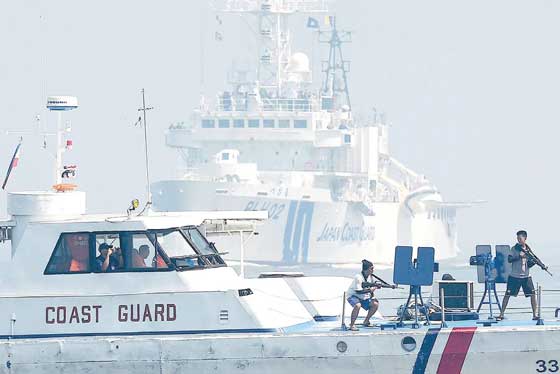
x: 470, y: 88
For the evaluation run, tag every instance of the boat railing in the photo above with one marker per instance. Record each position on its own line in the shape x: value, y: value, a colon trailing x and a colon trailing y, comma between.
x: 286, y: 6
x: 518, y: 312
x: 242, y: 104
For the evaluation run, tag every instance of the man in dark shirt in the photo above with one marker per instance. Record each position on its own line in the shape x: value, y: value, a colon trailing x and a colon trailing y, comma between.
x: 110, y: 259
x: 519, y: 277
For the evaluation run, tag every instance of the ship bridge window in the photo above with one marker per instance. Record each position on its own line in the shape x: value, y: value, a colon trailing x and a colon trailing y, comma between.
x: 204, y: 247
x: 187, y: 249
x: 154, y: 250
x: 140, y: 253
x: 300, y: 124
x: 130, y: 251
x: 238, y: 123
x: 254, y: 123
x: 268, y: 123
x: 223, y: 124
x: 208, y: 124
x: 71, y: 255
x: 284, y: 123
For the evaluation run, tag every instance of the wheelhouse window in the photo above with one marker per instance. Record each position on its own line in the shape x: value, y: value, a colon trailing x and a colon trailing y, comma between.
x: 71, y: 255
x: 223, y: 124
x: 140, y: 252
x: 179, y: 250
x: 284, y: 123
x: 268, y: 123
x: 127, y: 251
x: 238, y: 123
x: 254, y: 123
x: 300, y: 124
x: 132, y: 251
x: 208, y: 123
x: 203, y: 246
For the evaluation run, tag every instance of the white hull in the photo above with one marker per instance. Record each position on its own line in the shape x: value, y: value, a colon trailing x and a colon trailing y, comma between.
x: 510, y: 350
x: 312, y: 231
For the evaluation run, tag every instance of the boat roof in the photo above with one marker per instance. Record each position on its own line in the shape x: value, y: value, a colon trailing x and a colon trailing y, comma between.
x: 151, y: 220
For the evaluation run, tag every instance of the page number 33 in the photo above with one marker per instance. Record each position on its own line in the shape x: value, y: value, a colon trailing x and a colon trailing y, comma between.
x: 547, y: 367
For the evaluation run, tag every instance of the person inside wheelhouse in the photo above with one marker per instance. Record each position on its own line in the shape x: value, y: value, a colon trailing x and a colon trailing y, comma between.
x: 179, y: 249
x: 109, y: 259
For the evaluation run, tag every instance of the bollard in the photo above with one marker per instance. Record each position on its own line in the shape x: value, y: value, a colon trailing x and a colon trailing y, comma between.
x: 343, y: 325
x: 442, y: 304
x: 540, y: 321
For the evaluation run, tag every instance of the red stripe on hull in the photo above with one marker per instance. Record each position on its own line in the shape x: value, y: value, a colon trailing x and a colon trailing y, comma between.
x: 455, y: 351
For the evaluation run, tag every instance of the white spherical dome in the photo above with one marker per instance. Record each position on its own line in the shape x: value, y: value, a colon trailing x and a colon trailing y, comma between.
x: 299, y: 63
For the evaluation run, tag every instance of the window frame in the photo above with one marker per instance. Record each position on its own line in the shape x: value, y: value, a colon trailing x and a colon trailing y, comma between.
x: 132, y: 270
x: 258, y: 121
x: 269, y: 123
x: 58, y: 242
x: 158, y: 248
x: 222, y: 122
x: 298, y: 124
x: 205, y: 257
x: 207, y: 120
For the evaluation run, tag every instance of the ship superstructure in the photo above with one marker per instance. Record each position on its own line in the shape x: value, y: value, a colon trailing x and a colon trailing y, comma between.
x: 275, y: 141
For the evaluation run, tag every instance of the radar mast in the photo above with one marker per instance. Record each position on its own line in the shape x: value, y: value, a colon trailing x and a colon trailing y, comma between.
x: 272, y: 35
x: 336, y: 67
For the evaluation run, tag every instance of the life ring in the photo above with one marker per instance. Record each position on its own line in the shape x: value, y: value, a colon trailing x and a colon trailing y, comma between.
x: 64, y: 187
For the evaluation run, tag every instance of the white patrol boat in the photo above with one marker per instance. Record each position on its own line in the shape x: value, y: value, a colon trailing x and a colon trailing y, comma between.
x: 181, y: 308
x: 276, y: 142
x: 169, y: 303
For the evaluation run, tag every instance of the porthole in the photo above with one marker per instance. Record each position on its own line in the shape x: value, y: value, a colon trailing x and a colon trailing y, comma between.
x: 341, y: 346
x: 408, y: 343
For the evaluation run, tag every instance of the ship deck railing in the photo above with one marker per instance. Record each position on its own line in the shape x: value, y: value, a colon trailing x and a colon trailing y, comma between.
x: 235, y: 104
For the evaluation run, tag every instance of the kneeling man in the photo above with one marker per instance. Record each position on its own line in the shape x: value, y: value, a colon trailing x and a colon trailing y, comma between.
x: 360, y: 297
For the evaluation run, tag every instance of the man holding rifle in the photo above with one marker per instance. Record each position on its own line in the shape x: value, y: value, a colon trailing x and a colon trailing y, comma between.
x: 522, y: 259
x: 360, y: 293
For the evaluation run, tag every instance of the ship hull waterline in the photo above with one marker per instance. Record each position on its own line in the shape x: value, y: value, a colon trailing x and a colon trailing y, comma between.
x: 451, y: 350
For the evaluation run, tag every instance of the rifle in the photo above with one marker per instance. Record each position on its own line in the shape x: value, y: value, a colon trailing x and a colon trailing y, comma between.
x: 535, y: 259
x: 377, y: 284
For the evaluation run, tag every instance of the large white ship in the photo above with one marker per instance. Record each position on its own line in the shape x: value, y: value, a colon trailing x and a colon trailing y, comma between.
x: 276, y: 142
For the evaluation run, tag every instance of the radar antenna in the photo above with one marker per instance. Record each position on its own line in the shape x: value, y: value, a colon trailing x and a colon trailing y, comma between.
x: 336, y: 67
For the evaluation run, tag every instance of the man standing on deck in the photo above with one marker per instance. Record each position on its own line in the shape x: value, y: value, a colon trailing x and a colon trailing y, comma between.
x: 519, y: 277
x: 362, y: 297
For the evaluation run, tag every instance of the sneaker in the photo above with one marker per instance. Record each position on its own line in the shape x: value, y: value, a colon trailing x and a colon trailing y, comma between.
x: 535, y: 318
x: 353, y: 328
x: 499, y: 318
x: 366, y: 324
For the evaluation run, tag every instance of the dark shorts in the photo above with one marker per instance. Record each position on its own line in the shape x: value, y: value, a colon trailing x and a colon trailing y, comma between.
x: 366, y: 304
x: 513, y: 285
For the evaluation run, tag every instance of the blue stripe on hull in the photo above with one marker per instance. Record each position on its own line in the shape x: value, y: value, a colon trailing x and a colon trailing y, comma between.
x: 297, y: 232
x: 294, y: 328
x: 425, y: 351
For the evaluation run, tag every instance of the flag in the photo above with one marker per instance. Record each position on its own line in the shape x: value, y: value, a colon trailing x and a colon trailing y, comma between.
x: 329, y: 20
x: 218, y: 36
x: 13, y: 164
x: 312, y: 23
